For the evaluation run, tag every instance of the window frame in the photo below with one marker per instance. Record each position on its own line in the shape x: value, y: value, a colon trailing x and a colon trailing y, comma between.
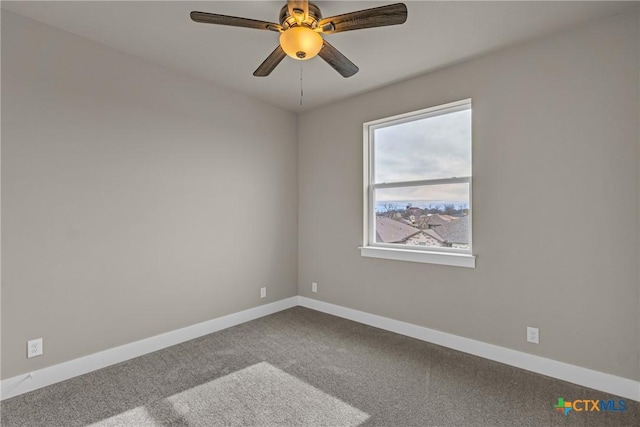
x: 435, y: 255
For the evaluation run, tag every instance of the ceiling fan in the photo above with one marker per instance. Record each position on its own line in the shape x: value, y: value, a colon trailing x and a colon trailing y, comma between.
x: 301, y: 28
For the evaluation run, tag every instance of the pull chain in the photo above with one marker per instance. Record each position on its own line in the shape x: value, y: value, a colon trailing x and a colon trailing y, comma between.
x: 301, y: 91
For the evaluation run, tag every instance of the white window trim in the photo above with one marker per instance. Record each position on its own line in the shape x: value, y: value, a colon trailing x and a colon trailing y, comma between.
x: 448, y: 256
x: 442, y: 258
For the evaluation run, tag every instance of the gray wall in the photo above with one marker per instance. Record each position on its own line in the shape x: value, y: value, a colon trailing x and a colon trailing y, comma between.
x: 134, y: 201
x: 555, y: 197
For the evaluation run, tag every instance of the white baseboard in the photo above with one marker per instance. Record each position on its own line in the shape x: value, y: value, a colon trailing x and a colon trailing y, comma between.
x: 608, y: 383
x: 43, y: 377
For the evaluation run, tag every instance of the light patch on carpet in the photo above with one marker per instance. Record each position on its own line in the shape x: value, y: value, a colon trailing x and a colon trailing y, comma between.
x: 258, y: 395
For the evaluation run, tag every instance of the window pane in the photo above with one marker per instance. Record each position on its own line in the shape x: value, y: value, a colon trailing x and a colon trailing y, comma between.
x: 430, y: 148
x: 429, y: 215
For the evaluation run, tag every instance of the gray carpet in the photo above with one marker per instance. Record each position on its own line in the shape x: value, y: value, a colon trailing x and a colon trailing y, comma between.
x: 301, y: 367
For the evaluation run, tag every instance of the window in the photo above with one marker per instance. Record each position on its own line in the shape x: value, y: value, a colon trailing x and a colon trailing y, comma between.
x: 418, y: 186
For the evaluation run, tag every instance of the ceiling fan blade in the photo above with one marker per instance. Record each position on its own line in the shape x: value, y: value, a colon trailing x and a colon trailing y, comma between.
x: 337, y: 60
x: 392, y: 14
x: 270, y: 63
x: 299, y: 9
x: 214, y: 18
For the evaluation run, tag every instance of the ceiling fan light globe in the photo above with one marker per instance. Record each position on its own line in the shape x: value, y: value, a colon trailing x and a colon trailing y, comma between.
x: 301, y: 43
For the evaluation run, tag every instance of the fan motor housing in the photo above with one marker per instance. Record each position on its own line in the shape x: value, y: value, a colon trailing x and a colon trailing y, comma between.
x: 314, y: 15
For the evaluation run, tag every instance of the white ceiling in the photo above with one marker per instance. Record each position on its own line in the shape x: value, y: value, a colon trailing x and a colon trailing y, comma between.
x: 436, y: 34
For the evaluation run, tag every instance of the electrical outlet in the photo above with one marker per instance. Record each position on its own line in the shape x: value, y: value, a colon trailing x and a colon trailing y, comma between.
x: 263, y: 292
x: 533, y: 335
x: 314, y: 287
x: 34, y: 348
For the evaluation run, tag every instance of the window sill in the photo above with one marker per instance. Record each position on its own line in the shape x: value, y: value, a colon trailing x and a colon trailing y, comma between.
x: 442, y: 258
